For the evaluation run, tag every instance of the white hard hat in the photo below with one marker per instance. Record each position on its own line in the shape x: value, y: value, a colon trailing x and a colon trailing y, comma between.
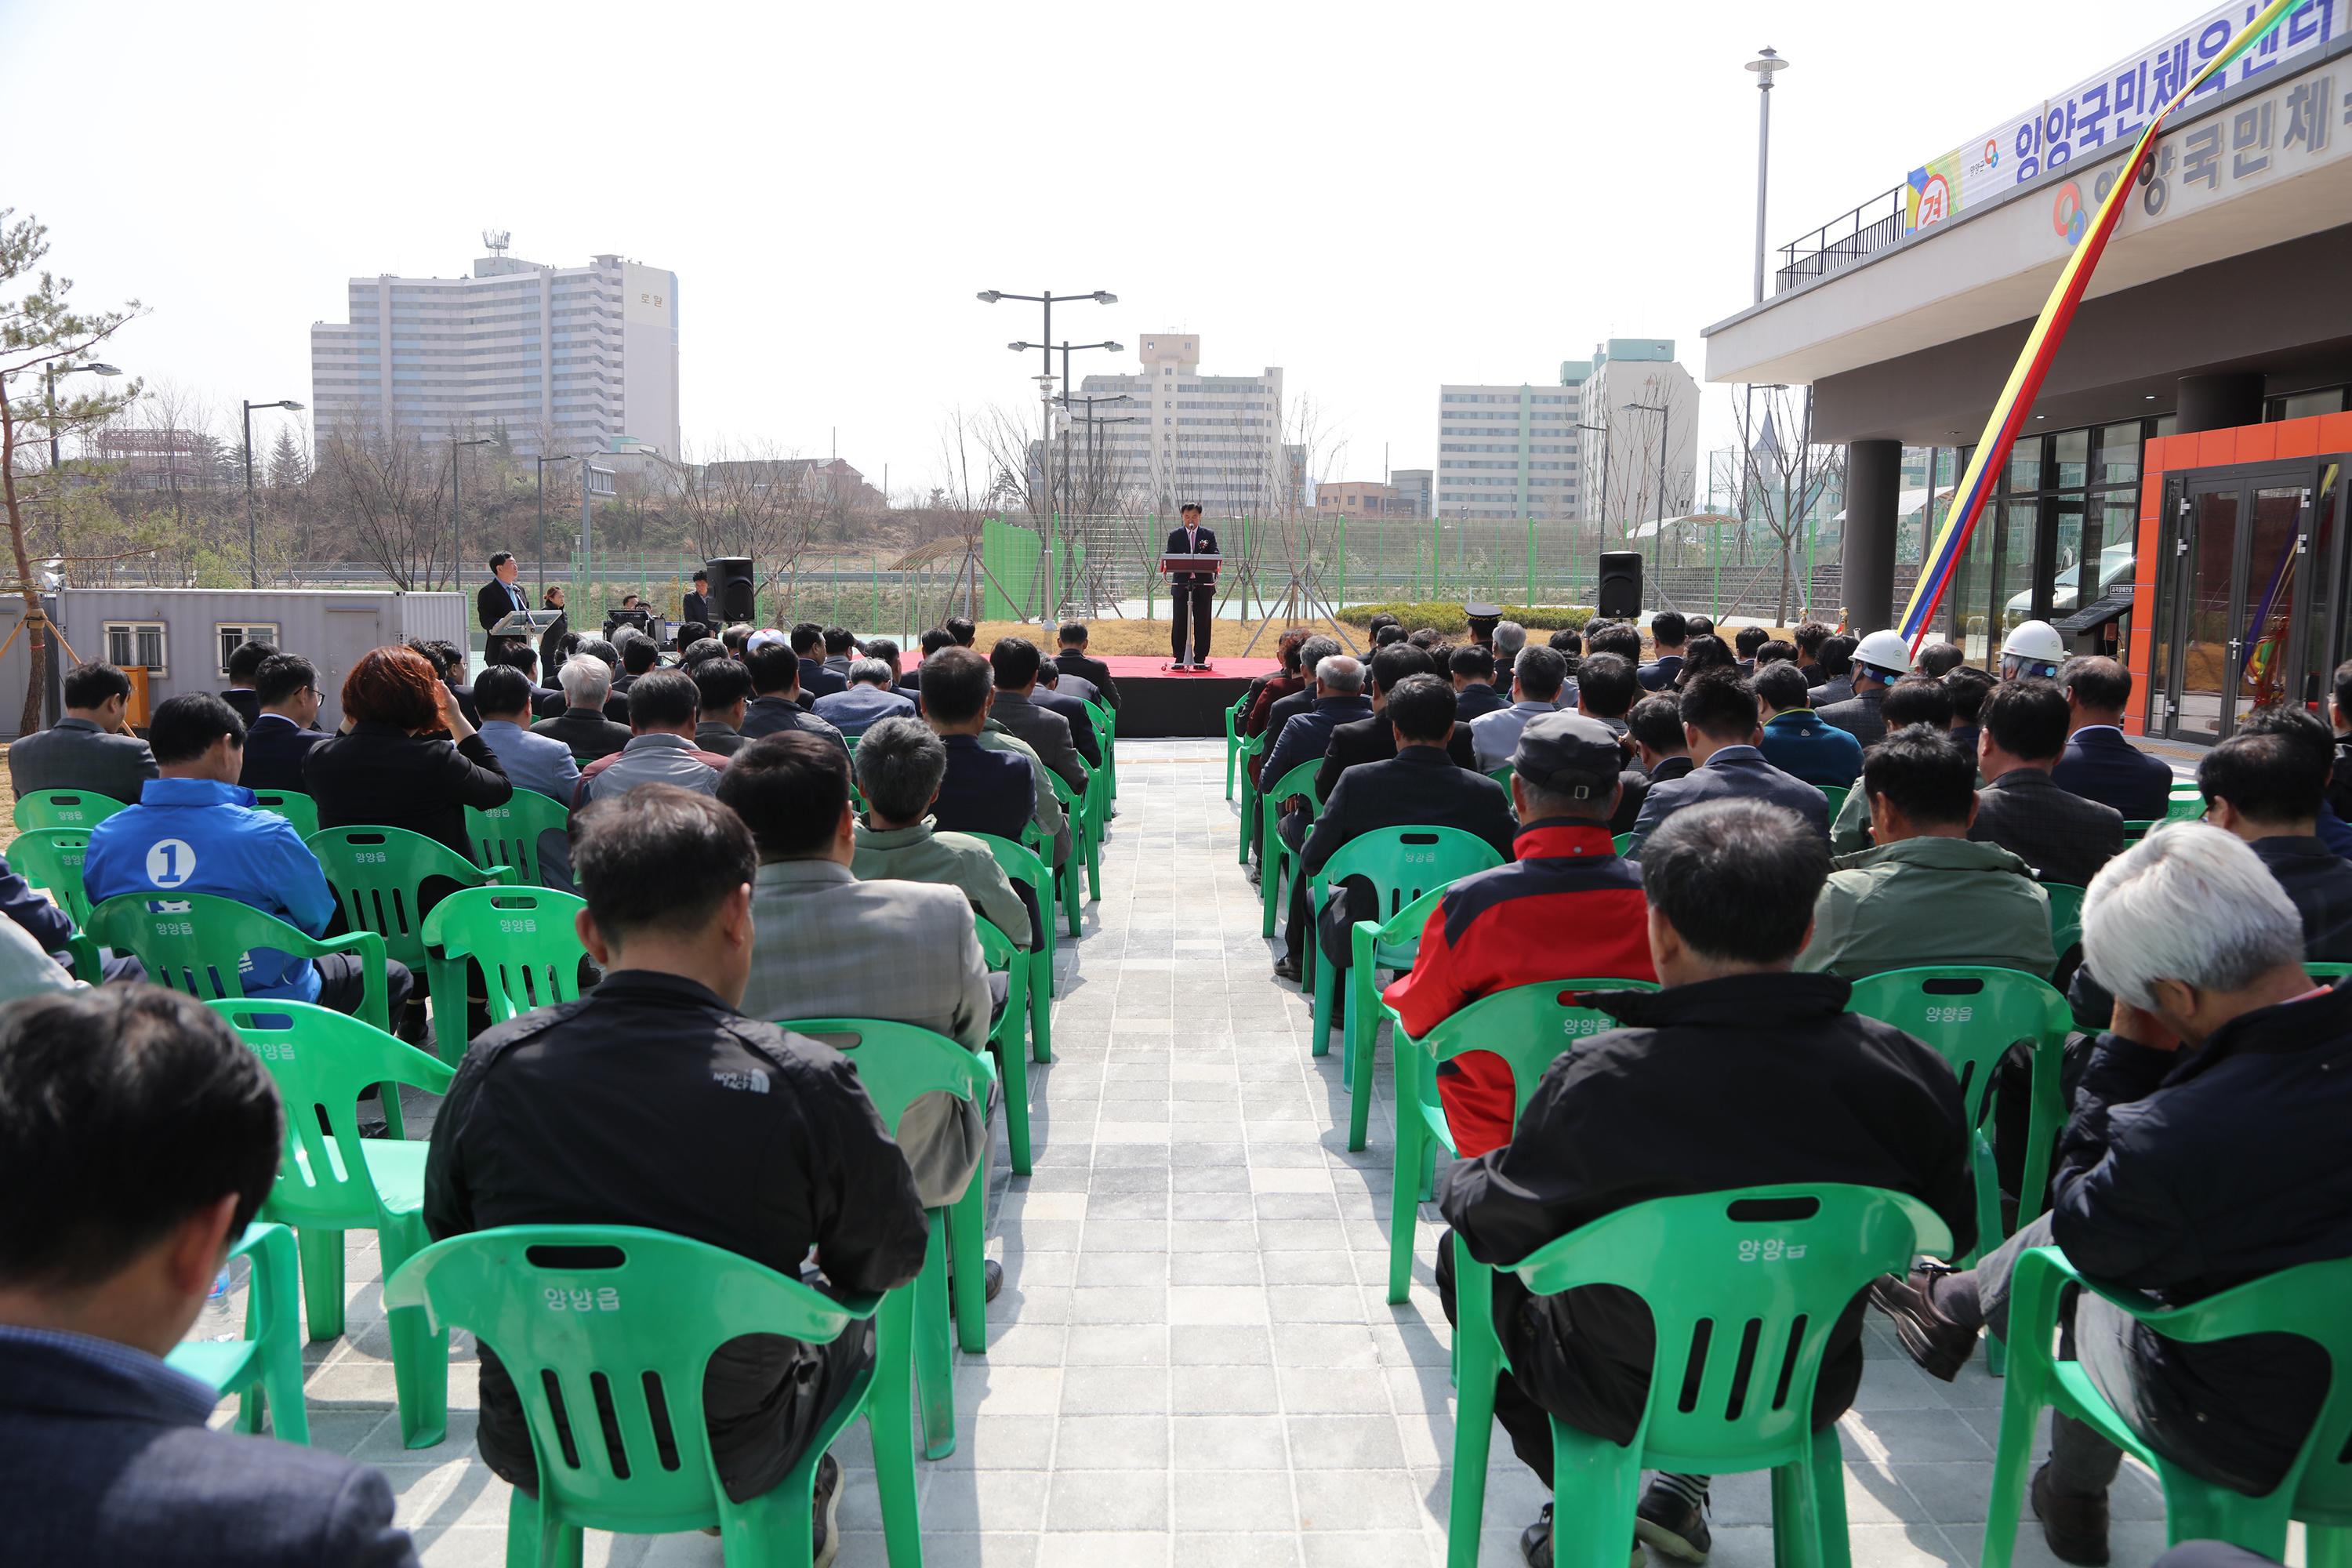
x: 2036, y: 647
x: 1887, y: 651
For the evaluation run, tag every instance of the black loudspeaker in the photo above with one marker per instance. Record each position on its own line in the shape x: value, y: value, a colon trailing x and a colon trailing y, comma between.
x: 1620, y: 584
x: 731, y: 585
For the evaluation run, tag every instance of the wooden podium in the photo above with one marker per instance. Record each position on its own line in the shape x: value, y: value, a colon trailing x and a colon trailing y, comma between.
x: 1172, y: 564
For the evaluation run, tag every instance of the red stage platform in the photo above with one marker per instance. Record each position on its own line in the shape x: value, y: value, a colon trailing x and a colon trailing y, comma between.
x: 1157, y: 700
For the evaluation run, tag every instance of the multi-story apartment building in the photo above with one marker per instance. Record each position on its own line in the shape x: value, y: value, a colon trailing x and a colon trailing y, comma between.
x: 1638, y: 449
x: 1509, y: 451
x: 1418, y: 486
x: 1214, y: 439
x: 563, y: 359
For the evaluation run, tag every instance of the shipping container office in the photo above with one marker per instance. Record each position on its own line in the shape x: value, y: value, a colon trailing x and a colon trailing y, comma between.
x: 182, y: 636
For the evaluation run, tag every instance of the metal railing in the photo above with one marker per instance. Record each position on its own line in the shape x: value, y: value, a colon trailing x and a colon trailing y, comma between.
x: 1868, y: 229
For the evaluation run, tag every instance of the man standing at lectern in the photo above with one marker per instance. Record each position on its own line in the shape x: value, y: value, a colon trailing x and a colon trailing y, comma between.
x: 499, y: 597
x: 1192, y: 591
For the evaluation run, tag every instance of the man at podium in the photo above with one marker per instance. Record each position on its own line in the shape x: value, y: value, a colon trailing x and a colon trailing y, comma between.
x: 1192, y: 592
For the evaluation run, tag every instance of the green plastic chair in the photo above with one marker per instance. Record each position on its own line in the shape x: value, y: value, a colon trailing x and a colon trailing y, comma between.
x: 526, y: 941
x: 1622, y: 842
x: 1529, y: 1026
x: 1405, y: 863
x: 326, y: 1186
x: 1274, y: 855
x: 192, y: 942
x: 1085, y: 853
x: 51, y: 858
x: 2330, y: 972
x: 606, y: 1330
x: 80, y: 808
x: 2066, y: 915
x: 376, y: 874
x: 1784, y: 1260
x: 265, y: 1366
x: 509, y: 834
x: 1502, y: 775
x: 2185, y: 808
x: 997, y: 949
x: 2307, y: 1300
x: 1105, y: 723
x: 1234, y: 741
x: 1253, y: 747
x: 1835, y: 797
x: 2136, y: 831
x: 293, y: 806
x: 1023, y: 865
x: 897, y: 1063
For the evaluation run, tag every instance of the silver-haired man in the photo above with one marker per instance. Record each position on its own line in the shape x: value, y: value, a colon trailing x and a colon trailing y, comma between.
x: 2205, y: 1149
x: 868, y: 698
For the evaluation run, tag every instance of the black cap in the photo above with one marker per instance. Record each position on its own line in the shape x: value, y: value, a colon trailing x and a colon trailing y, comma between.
x: 1483, y: 612
x: 1569, y: 755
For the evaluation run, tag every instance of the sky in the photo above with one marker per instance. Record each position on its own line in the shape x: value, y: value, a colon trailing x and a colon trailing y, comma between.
x: 1377, y: 198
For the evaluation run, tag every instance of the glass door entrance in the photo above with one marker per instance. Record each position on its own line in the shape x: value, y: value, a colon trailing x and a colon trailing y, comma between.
x: 2242, y: 559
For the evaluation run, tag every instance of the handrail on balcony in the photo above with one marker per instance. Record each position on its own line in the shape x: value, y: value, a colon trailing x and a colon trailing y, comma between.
x: 1868, y: 229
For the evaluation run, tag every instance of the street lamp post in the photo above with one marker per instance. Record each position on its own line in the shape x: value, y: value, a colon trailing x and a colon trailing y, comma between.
x: 1064, y: 348
x: 1659, y: 410
x: 543, y: 521
x: 1604, y: 483
x: 1100, y: 297
x: 1090, y: 419
x: 457, y: 518
x: 252, y: 552
x: 49, y: 373
x: 1764, y: 65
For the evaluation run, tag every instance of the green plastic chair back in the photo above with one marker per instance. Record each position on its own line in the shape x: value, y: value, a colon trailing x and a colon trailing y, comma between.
x: 1835, y: 794
x: 1023, y: 865
x: 192, y: 942
x: 606, y: 1330
x: 998, y: 951
x: 332, y: 1181
x: 1502, y: 775
x: 52, y: 857
x: 509, y: 834
x: 2186, y: 807
x: 2136, y: 831
x: 1085, y: 848
x: 1274, y: 855
x: 2307, y: 1300
x: 1530, y: 1026
x: 2066, y: 915
x: 264, y: 1367
x: 2331, y: 973
x: 1746, y: 1288
x: 1622, y: 842
x: 376, y: 874
x: 293, y: 806
x: 1250, y: 748
x: 80, y: 808
x: 1234, y: 740
x: 526, y: 941
x: 1405, y: 865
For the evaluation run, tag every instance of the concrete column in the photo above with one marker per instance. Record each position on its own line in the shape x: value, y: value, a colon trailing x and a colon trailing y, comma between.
x: 1873, y: 485
x: 2219, y: 402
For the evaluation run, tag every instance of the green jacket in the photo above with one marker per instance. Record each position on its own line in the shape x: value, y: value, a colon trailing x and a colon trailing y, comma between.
x: 1849, y: 834
x: 920, y: 854
x: 1930, y: 901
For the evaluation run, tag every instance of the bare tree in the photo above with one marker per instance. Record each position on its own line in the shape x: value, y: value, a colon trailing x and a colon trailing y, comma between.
x: 387, y: 485
x: 1783, y: 477
x: 752, y: 500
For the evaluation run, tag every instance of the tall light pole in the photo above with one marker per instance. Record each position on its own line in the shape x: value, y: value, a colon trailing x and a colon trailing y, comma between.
x: 1604, y: 474
x: 252, y: 552
x: 1765, y: 63
x: 457, y: 518
x: 1064, y: 348
x: 1659, y: 410
x: 543, y: 521
x: 1100, y: 297
x: 49, y: 373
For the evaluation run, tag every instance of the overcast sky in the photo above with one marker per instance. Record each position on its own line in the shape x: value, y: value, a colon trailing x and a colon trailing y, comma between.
x: 1378, y: 199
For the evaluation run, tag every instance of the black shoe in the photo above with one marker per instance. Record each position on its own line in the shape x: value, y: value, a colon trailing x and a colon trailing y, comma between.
x: 375, y: 1130
x: 825, y: 1514
x: 993, y: 1272
x: 1286, y: 969
x: 1939, y: 1346
x: 1534, y: 1541
x: 1671, y: 1523
x: 2075, y: 1527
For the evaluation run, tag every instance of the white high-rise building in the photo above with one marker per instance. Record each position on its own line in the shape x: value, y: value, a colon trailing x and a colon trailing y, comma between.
x: 1214, y: 439
x: 563, y: 359
x: 1627, y: 457
x: 1509, y: 451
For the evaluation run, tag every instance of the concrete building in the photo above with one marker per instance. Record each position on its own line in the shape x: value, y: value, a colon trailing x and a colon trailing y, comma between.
x: 1509, y: 451
x: 1418, y: 486
x: 563, y: 359
x: 2175, y: 497
x: 1625, y: 480
x: 1362, y: 498
x: 1214, y: 439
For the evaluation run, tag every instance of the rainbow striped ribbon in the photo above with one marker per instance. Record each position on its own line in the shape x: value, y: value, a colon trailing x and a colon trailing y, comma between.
x: 2042, y: 346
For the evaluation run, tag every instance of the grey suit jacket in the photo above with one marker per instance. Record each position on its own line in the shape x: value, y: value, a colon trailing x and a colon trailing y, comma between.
x: 110, y: 1466
x: 77, y: 754
x: 1047, y: 733
x: 1734, y: 772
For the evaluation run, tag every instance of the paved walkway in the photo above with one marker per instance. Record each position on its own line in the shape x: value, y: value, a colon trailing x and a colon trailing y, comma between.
x: 1193, y: 1364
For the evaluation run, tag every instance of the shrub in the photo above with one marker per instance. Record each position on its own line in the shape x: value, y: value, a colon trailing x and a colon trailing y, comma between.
x: 1448, y: 618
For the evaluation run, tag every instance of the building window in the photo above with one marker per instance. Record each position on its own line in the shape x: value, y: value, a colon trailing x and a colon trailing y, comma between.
x: 231, y: 639
x: 130, y: 643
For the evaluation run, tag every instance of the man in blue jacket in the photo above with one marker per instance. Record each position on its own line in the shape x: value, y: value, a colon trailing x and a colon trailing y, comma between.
x: 1795, y: 739
x: 194, y: 830
x: 2206, y: 1150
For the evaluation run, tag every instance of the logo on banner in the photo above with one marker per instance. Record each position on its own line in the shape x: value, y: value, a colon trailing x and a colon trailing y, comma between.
x: 2068, y: 216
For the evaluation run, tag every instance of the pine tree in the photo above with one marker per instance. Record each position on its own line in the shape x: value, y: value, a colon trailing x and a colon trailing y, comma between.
x: 289, y: 466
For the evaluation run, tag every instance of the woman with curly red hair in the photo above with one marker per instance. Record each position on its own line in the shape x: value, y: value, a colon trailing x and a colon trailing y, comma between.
x: 405, y: 756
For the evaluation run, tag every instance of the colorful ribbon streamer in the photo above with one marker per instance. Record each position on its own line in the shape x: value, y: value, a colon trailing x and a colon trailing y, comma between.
x: 2025, y: 378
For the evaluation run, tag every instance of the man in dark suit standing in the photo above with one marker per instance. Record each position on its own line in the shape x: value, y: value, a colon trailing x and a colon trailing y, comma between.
x: 2099, y: 764
x: 2062, y: 836
x: 1074, y: 661
x: 283, y: 731
x: 1192, y: 594
x: 501, y: 596
x: 1472, y: 669
x: 153, y: 1134
x: 697, y: 604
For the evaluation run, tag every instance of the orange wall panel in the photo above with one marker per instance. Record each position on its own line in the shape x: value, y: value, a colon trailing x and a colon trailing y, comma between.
x: 2298, y: 437
x: 2257, y: 443
x: 2215, y: 447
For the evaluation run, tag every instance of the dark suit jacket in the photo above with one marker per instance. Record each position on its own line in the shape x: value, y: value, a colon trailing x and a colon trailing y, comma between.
x: 1279, y: 712
x: 108, y: 1470
x: 1834, y: 688
x: 2101, y: 765
x: 697, y: 607
x: 1047, y: 733
x: 1373, y: 739
x: 1658, y: 677
x: 2062, y: 836
x: 1205, y: 544
x: 1073, y: 662
x: 1734, y: 772
x: 1477, y: 700
x: 1075, y: 711
x: 380, y: 776
x: 1858, y: 716
x: 818, y: 681
x: 245, y: 701
x: 274, y: 749
x: 493, y: 604
x: 588, y: 733
x: 1637, y: 790
x: 74, y: 754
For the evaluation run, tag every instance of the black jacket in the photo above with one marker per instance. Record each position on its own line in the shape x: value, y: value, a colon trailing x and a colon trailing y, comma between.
x: 1073, y: 662
x: 1075, y: 713
x: 1637, y: 789
x: 2101, y: 765
x: 697, y: 607
x: 274, y: 749
x: 775, y: 713
x: 380, y: 776
x: 493, y: 604
x: 2062, y: 836
x: 586, y: 731
x: 1660, y: 676
x: 1205, y: 544
x: 1795, y: 1088
x: 1476, y: 701
x: 2185, y: 1174
x: 818, y: 681
x: 1373, y: 739
x: 244, y: 702
x: 1858, y: 716
x: 2319, y: 880
x: 654, y: 1103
